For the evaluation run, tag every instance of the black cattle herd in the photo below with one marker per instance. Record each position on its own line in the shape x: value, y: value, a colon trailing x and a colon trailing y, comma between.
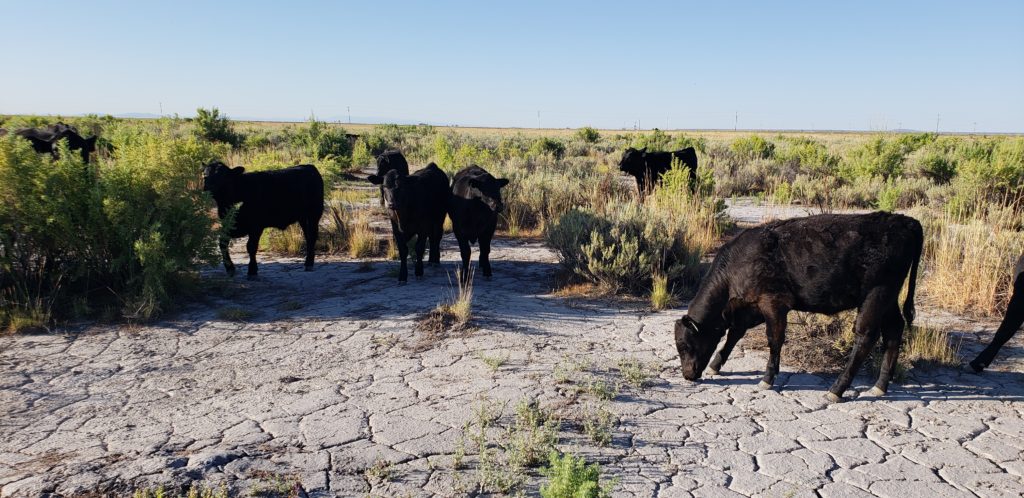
x: 823, y: 264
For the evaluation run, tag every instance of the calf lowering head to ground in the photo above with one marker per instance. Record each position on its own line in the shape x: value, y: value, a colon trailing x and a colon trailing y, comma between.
x: 268, y: 199
x: 819, y: 264
x: 648, y: 167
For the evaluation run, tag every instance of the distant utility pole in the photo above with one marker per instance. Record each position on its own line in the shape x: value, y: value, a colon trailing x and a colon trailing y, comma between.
x: 161, y: 108
x: 937, y: 117
x: 349, y: 110
x: 538, y: 119
x: 736, y: 121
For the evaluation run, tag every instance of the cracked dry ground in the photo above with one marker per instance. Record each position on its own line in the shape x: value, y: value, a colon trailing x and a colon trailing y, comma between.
x: 330, y: 378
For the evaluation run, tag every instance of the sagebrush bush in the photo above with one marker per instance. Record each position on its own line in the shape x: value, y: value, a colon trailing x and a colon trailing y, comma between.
x: 588, y: 134
x: 118, y: 234
x: 753, y: 147
x: 570, y: 476
x: 216, y: 128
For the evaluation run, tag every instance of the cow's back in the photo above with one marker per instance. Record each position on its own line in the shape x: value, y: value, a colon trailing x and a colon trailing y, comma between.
x: 281, y: 197
x: 827, y: 263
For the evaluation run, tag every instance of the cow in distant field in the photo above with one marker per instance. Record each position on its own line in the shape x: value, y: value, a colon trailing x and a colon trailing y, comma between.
x: 821, y: 264
x: 45, y: 140
x: 389, y: 160
x: 417, y: 205
x: 474, y: 207
x: 1011, y: 322
x: 269, y: 199
x: 648, y: 167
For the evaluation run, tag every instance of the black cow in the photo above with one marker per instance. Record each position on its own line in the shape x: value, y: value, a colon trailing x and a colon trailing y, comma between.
x: 821, y: 264
x: 45, y: 140
x: 474, y: 207
x: 417, y: 204
x: 648, y: 167
x: 389, y: 160
x: 269, y: 199
x: 1011, y: 322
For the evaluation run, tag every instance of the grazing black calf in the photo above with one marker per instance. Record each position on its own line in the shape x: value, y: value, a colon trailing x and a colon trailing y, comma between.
x: 821, y: 264
x: 1011, y: 322
x: 45, y: 140
x: 269, y: 199
x: 474, y: 207
x: 387, y: 161
x: 417, y: 204
x: 648, y: 167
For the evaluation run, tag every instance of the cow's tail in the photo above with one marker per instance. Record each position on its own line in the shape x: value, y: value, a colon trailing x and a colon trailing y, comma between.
x: 918, y: 244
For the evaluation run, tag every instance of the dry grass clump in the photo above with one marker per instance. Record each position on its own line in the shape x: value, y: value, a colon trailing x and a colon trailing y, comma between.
x: 453, y: 315
x: 362, y: 240
x: 929, y: 346
x: 968, y: 260
x: 662, y: 296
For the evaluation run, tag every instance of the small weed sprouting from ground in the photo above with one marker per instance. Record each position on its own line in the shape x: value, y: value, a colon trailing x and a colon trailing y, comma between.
x: 288, y: 242
x: 567, y: 369
x: 926, y: 345
x: 661, y: 296
x: 598, y: 423
x: 381, y: 472
x: 532, y: 434
x: 570, y: 476
x: 601, y: 389
x: 193, y: 491
x: 454, y: 314
x: 274, y: 485
x: 634, y: 373
x: 235, y: 314
x: 493, y: 362
x: 362, y: 241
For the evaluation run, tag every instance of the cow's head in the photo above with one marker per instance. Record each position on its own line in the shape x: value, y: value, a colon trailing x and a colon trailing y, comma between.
x: 220, y: 180
x: 695, y: 346
x: 487, y: 189
x: 397, y: 190
x: 388, y: 161
x: 633, y: 161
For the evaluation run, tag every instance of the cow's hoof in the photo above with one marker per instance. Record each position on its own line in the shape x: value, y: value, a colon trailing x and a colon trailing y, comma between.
x: 712, y: 371
x: 876, y: 392
x: 764, y: 386
x: 833, y: 397
x: 308, y: 268
x: 977, y: 367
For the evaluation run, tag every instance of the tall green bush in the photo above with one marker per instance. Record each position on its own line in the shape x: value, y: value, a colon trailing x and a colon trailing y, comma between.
x: 216, y: 128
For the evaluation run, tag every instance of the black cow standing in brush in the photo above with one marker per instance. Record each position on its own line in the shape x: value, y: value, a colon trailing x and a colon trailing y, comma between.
x: 1011, y: 322
x: 822, y: 264
x: 269, y: 199
x: 648, y: 167
x: 388, y: 161
x: 417, y: 205
x: 46, y: 140
x: 474, y: 207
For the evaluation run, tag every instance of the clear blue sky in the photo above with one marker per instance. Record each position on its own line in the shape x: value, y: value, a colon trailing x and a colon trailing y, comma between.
x: 780, y: 65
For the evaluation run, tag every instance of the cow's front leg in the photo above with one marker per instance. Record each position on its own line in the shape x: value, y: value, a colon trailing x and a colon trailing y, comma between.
x: 421, y: 247
x: 485, y: 255
x: 251, y: 246
x: 717, y: 361
x: 224, y: 242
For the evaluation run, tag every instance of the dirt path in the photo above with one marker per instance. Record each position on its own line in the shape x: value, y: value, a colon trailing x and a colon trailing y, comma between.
x: 327, y: 378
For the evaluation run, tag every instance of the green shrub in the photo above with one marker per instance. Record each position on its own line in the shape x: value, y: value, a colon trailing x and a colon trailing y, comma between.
x: 654, y: 141
x: 570, y: 476
x: 209, y: 124
x: 326, y: 145
x: 140, y: 224
x: 547, y: 146
x: 752, y: 147
x: 810, y: 156
x: 683, y: 141
x: 882, y: 156
x: 588, y: 134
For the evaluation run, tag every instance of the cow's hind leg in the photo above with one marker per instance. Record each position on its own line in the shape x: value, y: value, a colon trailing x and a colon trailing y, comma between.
x: 465, y: 252
x: 436, y: 233
x: 870, y: 319
x: 251, y: 246
x: 1011, y: 323
x: 892, y: 337
x: 403, y: 253
x: 717, y: 361
x: 228, y: 265
x: 311, y: 232
x: 421, y: 246
x: 775, y: 327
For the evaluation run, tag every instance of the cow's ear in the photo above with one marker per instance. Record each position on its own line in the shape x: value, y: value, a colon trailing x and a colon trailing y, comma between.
x: 502, y: 182
x: 690, y: 323
x: 473, y: 182
x: 374, y: 179
x: 238, y: 170
x: 644, y: 150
